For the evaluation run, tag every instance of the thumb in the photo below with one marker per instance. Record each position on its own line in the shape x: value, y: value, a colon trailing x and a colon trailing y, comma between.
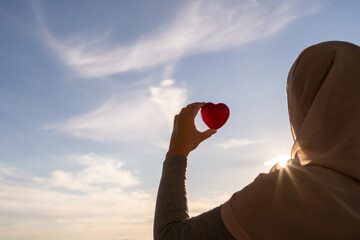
x: 206, y: 134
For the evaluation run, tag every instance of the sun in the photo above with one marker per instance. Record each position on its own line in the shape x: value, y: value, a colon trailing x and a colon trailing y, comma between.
x: 281, y: 159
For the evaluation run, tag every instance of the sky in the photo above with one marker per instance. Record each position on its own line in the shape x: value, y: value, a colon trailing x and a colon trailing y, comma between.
x: 89, y: 89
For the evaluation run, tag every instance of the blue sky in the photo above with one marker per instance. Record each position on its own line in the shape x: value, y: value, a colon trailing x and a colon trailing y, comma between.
x: 88, y: 91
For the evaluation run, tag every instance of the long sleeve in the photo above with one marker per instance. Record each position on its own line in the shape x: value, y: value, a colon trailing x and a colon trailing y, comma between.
x: 171, y: 213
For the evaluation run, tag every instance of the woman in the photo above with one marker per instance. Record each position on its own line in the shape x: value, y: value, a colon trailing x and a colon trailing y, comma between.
x: 316, y: 196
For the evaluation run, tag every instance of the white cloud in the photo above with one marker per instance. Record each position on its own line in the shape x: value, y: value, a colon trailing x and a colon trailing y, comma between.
x: 7, y: 171
x: 199, y: 26
x: 144, y: 115
x: 168, y: 70
x: 164, y: 145
x: 280, y: 159
x: 105, y: 209
x: 100, y: 172
x: 40, y: 207
x: 237, y: 143
x: 203, y: 204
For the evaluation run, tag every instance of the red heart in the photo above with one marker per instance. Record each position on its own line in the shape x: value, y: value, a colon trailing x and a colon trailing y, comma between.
x: 215, y: 116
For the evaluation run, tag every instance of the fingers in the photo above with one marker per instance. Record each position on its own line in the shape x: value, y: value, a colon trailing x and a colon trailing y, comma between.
x: 208, y: 133
x: 195, y: 105
x: 189, y: 112
x: 193, y: 108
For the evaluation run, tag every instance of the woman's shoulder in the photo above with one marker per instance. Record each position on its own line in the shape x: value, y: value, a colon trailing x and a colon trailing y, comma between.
x: 294, y: 196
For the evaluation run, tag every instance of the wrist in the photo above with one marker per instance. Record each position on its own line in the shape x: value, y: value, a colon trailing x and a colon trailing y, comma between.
x: 173, y: 152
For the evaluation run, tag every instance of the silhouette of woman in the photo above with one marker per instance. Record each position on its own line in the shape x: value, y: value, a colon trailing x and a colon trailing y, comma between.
x: 316, y: 196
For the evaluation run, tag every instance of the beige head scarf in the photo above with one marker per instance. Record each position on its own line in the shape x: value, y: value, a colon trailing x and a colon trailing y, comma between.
x: 324, y: 107
x: 317, y: 195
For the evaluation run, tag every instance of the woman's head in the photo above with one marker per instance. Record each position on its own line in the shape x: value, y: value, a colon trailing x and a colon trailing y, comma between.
x: 323, y: 90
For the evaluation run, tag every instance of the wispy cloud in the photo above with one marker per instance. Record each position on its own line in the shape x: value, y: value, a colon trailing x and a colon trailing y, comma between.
x: 199, y: 26
x: 140, y: 115
x: 94, y: 202
x: 280, y: 159
x: 100, y: 172
x: 238, y: 142
x: 6, y: 171
x: 203, y: 204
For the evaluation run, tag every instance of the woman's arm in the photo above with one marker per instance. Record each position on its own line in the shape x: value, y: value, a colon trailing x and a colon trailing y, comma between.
x: 171, y: 215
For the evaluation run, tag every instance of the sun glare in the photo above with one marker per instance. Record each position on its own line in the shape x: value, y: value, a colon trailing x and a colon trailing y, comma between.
x: 281, y: 159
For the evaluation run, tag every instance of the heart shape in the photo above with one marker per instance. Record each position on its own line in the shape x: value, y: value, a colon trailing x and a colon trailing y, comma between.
x: 215, y: 115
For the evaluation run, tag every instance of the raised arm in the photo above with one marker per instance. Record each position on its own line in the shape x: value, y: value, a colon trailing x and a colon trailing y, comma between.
x: 171, y: 214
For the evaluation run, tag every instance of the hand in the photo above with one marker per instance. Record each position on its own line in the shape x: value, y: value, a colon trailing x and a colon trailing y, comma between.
x: 185, y: 137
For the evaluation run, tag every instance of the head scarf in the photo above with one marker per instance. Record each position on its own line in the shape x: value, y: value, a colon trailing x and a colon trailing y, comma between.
x: 323, y: 91
x: 317, y: 195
